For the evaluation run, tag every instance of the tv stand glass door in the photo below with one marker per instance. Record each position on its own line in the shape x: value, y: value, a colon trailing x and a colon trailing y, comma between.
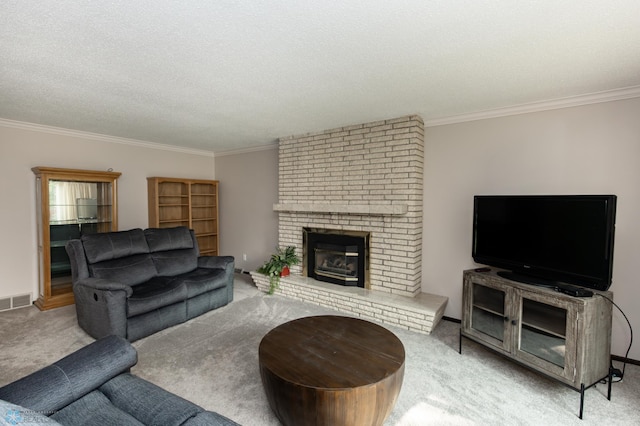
x: 545, y: 334
x: 489, y: 317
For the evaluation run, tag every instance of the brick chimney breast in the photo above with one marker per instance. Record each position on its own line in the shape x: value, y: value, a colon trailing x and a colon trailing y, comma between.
x: 366, y: 177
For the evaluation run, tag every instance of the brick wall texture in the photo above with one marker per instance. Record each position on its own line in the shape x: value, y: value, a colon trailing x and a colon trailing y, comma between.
x: 377, y: 164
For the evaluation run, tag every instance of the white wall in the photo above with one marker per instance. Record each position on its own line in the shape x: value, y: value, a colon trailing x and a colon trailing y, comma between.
x: 587, y: 149
x: 581, y: 150
x: 23, y: 148
x: 247, y: 192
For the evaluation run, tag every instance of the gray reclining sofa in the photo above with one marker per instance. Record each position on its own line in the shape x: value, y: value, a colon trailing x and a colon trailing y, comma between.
x: 93, y: 386
x: 137, y: 282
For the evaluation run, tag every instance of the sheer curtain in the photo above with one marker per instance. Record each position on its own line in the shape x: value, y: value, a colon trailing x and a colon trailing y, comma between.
x: 63, y: 197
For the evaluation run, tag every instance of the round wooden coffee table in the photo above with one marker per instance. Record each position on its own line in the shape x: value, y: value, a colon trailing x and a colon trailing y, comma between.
x: 331, y: 370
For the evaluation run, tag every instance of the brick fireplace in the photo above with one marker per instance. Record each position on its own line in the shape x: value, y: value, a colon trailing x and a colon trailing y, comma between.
x: 364, y: 179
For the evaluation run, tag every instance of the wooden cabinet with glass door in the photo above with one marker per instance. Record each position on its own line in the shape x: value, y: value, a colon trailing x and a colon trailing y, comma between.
x: 69, y: 203
x: 186, y: 202
x: 564, y: 337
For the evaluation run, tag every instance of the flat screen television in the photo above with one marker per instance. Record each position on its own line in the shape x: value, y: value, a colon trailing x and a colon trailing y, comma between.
x: 547, y: 239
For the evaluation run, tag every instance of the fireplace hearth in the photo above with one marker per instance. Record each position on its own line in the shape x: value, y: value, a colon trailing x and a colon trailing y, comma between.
x: 338, y: 257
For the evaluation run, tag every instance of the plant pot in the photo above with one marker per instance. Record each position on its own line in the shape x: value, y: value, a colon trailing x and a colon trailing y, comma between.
x: 285, y: 272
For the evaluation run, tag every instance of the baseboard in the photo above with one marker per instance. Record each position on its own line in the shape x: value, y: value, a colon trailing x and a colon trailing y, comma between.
x: 625, y: 360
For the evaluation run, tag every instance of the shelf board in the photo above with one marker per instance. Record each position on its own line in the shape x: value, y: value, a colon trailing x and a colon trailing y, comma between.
x: 546, y: 329
x: 489, y: 309
x: 548, y: 321
x: 59, y: 243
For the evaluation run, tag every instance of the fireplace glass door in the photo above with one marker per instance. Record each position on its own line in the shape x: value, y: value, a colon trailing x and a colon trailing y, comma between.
x: 336, y: 261
x: 337, y: 258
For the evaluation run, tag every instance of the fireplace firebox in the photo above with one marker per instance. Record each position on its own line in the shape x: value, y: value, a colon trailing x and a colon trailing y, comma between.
x: 336, y: 256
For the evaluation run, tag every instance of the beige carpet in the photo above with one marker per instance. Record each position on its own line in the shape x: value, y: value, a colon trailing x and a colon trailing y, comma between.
x: 212, y: 361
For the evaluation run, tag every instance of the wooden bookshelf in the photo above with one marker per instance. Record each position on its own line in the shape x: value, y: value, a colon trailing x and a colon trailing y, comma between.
x: 186, y: 202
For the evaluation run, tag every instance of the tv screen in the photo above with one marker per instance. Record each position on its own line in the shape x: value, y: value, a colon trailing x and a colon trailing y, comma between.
x: 554, y: 238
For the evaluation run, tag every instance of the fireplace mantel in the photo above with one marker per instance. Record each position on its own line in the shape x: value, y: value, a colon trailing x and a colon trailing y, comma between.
x: 357, y: 209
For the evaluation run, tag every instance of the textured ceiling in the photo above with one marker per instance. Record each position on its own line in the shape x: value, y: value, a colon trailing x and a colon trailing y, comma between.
x: 226, y: 75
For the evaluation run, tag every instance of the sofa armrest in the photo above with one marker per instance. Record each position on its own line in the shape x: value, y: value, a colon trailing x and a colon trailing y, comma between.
x: 100, y: 284
x: 101, y: 306
x: 221, y: 262
x: 59, y: 384
x: 217, y: 262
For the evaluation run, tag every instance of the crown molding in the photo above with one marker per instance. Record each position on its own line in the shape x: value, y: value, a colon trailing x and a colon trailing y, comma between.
x: 273, y: 145
x: 572, y: 101
x: 100, y: 138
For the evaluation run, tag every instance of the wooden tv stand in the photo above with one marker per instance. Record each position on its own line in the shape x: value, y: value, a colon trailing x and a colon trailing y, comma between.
x: 564, y: 337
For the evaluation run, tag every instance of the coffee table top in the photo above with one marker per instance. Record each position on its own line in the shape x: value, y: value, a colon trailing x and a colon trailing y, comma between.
x: 333, y: 352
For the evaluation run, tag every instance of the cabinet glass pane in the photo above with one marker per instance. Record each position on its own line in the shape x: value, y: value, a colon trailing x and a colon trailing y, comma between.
x: 75, y: 209
x: 487, y: 314
x: 543, y: 331
x: 79, y: 202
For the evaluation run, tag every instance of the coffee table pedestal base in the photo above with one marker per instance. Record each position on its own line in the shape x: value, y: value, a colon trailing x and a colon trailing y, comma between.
x: 331, y: 370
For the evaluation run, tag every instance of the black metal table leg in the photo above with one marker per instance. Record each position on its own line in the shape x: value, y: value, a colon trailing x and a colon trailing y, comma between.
x: 581, y: 399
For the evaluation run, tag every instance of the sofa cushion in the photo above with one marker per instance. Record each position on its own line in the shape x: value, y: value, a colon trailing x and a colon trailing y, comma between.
x: 94, y: 409
x: 202, y: 280
x: 114, y: 245
x: 175, y: 262
x: 155, y: 293
x: 149, y: 403
x: 172, y: 250
x: 151, y: 322
x: 131, y: 270
x: 162, y: 239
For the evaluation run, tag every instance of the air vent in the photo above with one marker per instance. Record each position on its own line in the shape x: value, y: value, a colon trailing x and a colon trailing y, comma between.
x: 21, y: 301
x: 13, y: 302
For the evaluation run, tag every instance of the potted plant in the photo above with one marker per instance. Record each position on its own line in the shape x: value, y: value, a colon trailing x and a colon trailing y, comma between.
x: 278, y: 266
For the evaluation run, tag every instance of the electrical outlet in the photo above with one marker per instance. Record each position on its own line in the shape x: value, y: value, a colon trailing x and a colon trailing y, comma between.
x: 244, y: 256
